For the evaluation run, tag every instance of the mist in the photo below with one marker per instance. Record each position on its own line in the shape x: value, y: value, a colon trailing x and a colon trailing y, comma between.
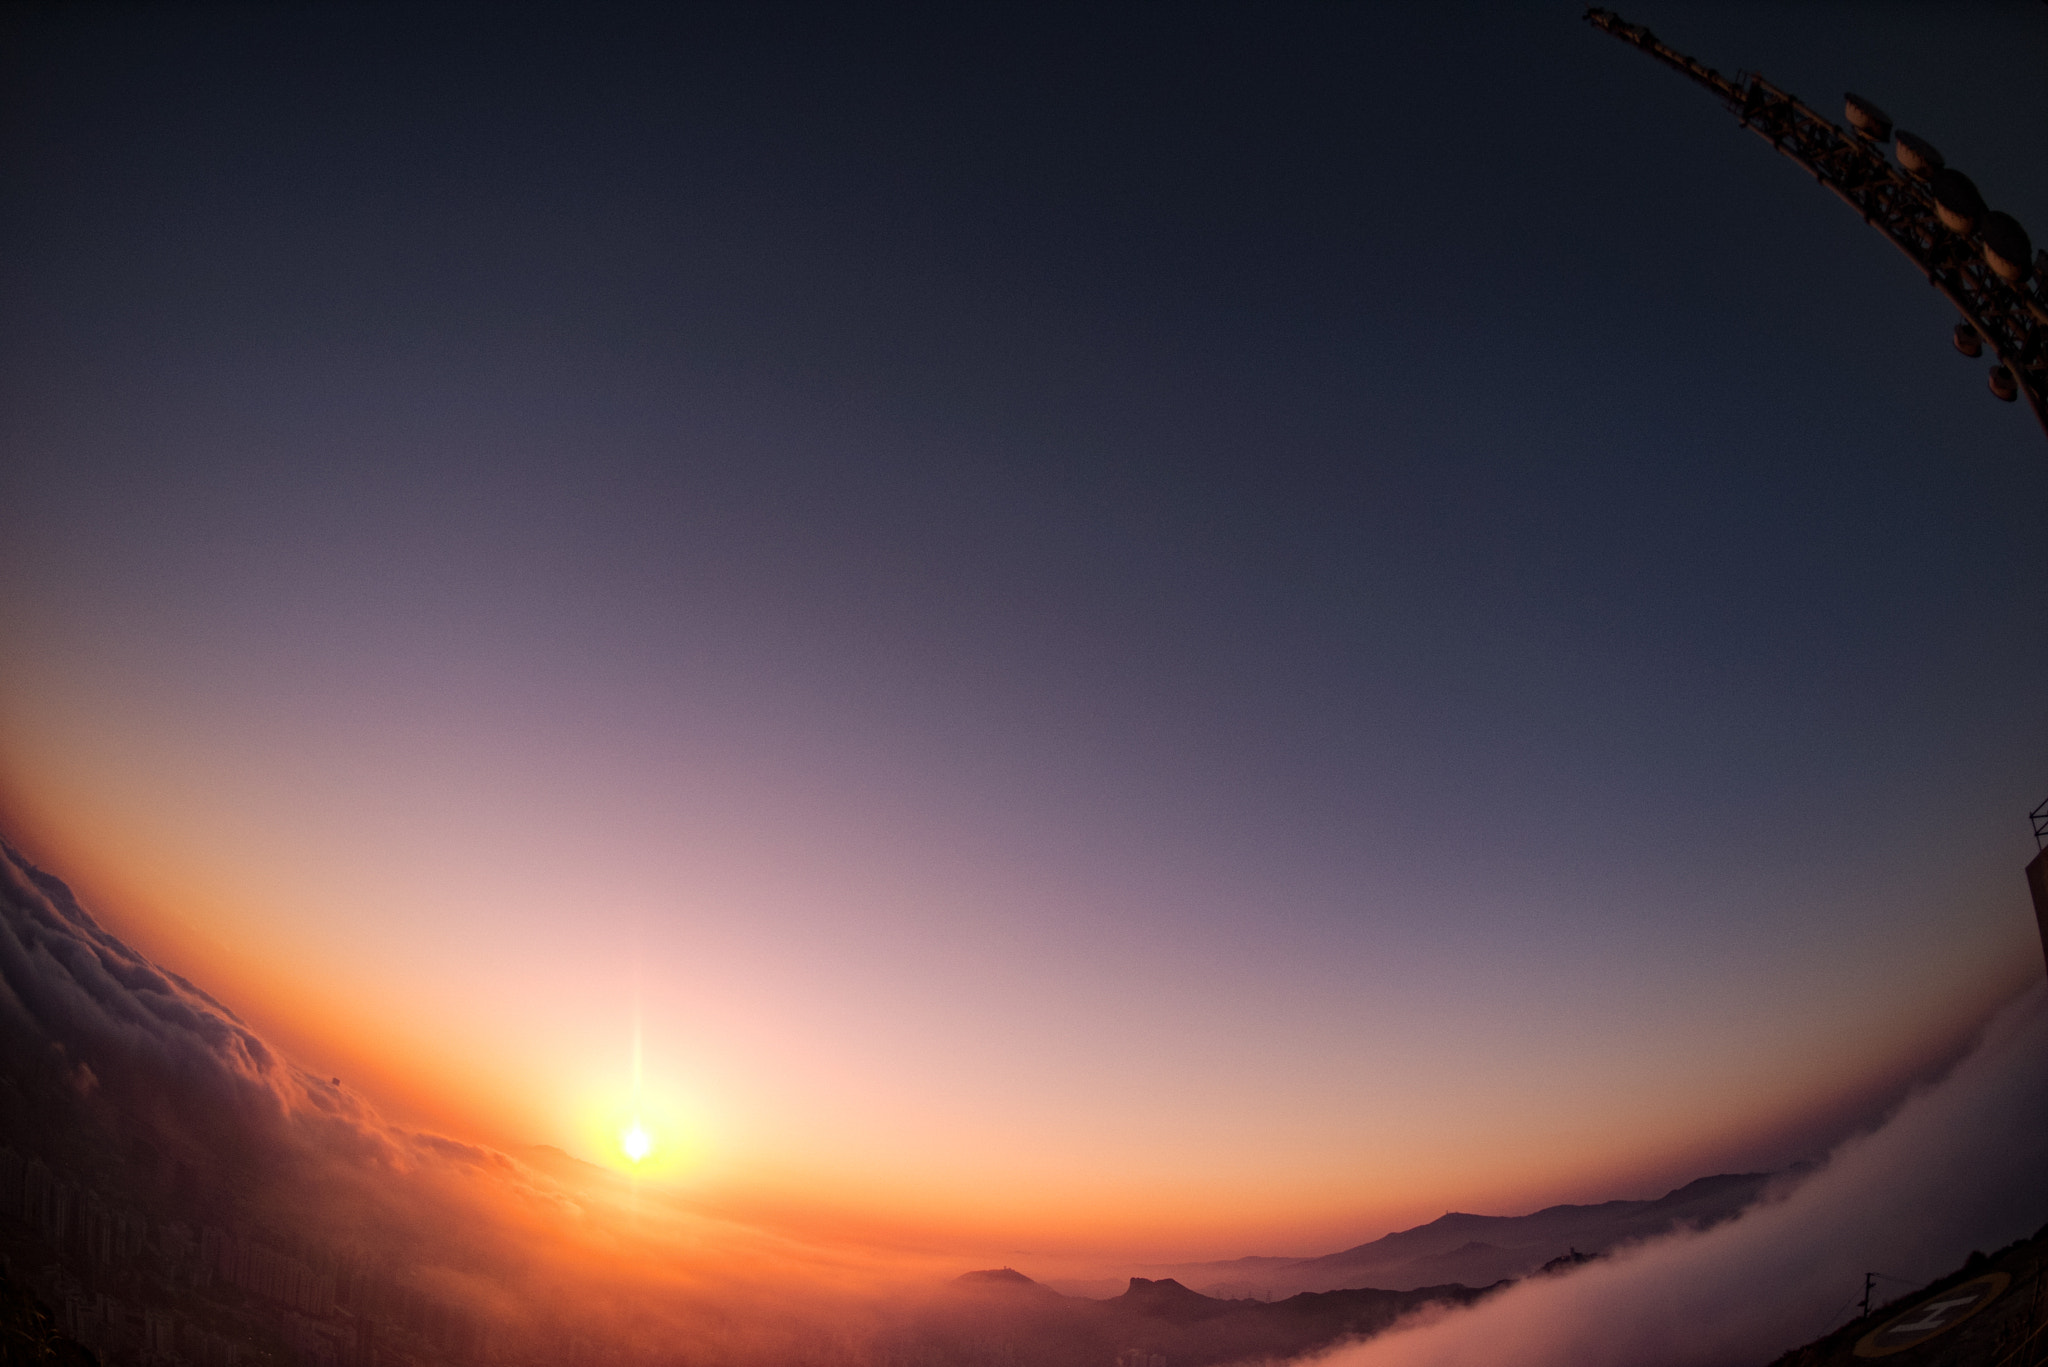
x: 142, y: 1123
x: 145, y: 1126
x: 1960, y: 1166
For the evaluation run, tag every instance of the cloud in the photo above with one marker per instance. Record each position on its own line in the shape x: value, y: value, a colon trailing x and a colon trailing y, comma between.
x: 170, y: 1060
x: 1961, y: 1165
x: 157, y: 1094
x: 134, y: 1084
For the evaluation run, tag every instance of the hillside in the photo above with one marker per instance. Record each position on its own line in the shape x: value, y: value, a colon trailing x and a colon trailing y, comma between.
x: 1990, y: 1312
x: 1479, y: 1250
x: 1036, y: 1325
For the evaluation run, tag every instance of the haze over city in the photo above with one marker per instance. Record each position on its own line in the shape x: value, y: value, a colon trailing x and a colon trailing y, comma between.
x: 1084, y: 639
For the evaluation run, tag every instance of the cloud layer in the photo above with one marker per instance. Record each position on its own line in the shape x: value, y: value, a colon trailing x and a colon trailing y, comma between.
x: 147, y: 1087
x: 1961, y: 1165
x: 138, y: 1087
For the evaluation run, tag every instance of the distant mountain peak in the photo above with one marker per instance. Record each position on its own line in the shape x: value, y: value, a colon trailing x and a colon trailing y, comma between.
x: 1481, y: 1249
x: 1168, y: 1299
x: 995, y: 1276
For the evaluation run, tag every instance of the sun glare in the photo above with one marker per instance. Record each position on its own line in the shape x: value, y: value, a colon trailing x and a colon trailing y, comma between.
x: 636, y: 1142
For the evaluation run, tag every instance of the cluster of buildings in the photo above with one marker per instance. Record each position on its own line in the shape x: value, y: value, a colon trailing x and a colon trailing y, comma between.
x: 162, y: 1293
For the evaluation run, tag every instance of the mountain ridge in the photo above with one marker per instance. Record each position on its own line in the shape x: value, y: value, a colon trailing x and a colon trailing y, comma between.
x: 1480, y: 1250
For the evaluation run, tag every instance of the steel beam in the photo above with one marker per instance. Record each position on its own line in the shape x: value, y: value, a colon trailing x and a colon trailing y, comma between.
x: 2011, y: 318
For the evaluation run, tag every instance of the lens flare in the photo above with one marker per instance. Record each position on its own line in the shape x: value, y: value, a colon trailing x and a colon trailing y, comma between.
x: 635, y: 1141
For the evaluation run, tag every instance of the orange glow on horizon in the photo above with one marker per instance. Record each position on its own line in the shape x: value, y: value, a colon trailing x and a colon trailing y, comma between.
x: 182, y: 915
x: 770, y: 1117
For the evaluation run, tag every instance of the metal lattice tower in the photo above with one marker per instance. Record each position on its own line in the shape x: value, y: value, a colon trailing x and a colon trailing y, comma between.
x: 1980, y: 259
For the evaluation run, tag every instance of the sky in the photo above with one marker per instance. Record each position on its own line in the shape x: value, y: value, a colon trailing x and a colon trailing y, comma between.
x: 1179, y: 632
x: 1939, y: 1175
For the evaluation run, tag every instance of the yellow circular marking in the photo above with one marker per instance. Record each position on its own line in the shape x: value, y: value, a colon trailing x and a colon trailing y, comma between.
x: 1937, y: 1314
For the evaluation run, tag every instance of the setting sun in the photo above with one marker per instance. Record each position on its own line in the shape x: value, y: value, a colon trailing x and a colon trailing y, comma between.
x: 712, y: 690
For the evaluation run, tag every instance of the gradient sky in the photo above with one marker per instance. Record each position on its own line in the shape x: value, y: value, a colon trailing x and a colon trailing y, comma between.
x: 1189, y: 630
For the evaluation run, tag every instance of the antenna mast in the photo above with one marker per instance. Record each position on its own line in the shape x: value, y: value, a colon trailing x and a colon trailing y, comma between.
x: 1981, y: 260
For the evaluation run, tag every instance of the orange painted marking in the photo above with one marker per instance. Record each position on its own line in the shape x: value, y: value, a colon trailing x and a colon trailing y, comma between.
x: 1936, y: 1315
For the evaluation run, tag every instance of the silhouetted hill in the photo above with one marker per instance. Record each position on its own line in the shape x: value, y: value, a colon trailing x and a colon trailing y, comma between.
x: 174, y: 1189
x: 1478, y: 1250
x: 1036, y: 1325
x: 1167, y: 1299
x: 1003, y: 1281
x: 1708, y: 1200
